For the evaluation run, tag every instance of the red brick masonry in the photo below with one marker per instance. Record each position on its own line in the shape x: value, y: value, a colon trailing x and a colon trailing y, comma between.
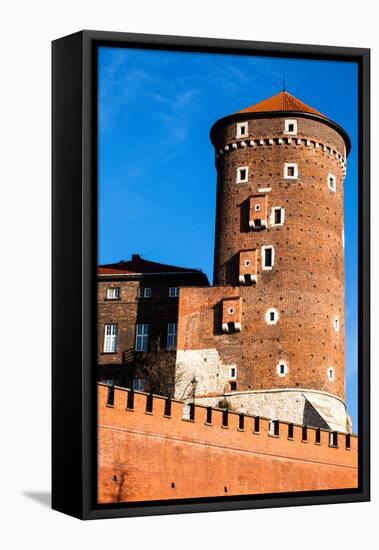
x: 152, y: 456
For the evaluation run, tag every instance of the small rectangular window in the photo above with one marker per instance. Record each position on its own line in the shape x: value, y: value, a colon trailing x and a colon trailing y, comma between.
x: 130, y: 400
x: 290, y: 127
x: 318, y: 436
x: 225, y: 418
x: 138, y: 384
x: 110, y: 396
x: 167, y: 407
x: 233, y: 372
x: 171, y: 336
x: 144, y: 292
x: 149, y: 403
x: 233, y: 386
x: 173, y: 292
x: 209, y: 415
x: 267, y: 257
x: 241, y: 421
x: 348, y: 441
x: 242, y: 174
x: 332, y: 182
x: 290, y: 171
x: 333, y: 439
x: 290, y: 431
x: 242, y: 129
x: 110, y: 339
x: 191, y: 411
x: 113, y: 293
x: 142, y: 337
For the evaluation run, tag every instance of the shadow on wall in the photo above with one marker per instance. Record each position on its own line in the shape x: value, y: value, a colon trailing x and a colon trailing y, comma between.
x: 312, y: 417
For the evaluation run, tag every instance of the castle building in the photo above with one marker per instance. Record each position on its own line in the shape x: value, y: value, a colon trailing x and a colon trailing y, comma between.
x: 137, y: 307
x: 269, y: 336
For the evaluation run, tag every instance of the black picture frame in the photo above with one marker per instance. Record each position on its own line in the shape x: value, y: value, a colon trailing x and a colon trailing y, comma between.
x: 74, y: 205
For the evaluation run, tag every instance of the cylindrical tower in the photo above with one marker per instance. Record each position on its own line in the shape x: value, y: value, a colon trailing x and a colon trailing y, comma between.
x: 280, y: 239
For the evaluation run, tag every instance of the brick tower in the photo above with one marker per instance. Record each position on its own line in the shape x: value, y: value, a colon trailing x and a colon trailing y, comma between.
x: 270, y: 335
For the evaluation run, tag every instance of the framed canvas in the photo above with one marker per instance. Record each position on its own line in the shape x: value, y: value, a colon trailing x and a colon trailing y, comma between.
x: 210, y: 275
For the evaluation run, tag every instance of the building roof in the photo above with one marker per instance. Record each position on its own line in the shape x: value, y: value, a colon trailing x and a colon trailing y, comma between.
x: 139, y: 266
x: 281, y: 104
x: 283, y: 101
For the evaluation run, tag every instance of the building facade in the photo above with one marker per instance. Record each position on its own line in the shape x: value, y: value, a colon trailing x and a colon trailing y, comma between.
x: 137, y: 309
x: 269, y: 336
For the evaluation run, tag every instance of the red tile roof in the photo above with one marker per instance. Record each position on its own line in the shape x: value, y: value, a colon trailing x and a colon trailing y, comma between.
x: 283, y: 101
x: 137, y: 265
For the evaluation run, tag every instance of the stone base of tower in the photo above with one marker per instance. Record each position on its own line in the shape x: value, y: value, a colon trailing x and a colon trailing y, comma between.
x: 305, y: 407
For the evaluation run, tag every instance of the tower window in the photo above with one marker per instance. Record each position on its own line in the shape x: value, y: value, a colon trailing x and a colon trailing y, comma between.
x: 242, y: 129
x: 333, y: 439
x: 332, y: 184
x: 231, y: 310
x: 113, y: 293
x: 144, y: 292
x: 110, y: 339
x: 233, y: 386
x: 268, y: 256
x: 277, y: 215
x: 257, y: 207
x: 330, y: 374
x: 290, y: 127
x: 242, y: 174
x: 290, y: 171
x: 173, y: 292
x: 336, y: 324
x: 171, y: 336
x: 233, y: 372
x: 247, y: 263
x: 282, y: 368
x: 142, y: 337
x: 272, y: 316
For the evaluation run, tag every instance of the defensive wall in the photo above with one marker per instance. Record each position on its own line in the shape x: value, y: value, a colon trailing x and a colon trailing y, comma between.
x: 154, y: 448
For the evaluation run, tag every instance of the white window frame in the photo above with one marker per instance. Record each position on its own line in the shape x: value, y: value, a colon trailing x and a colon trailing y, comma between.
x: 238, y: 177
x: 173, y: 291
x: 296, y: 171
x: 257, y: 208
x: 272, y: 217
x: 247, y: 263
x: 142, y: 337
x: 144, y: 292
x: 138, y: 384
x: 231, y: 310
x: 287, y: 131
x: 263, y: 257
x: 330, y: 374
x: 279, y: 369
x: 241, y: 125
x: 172, y: 332
x: 113, y: 293
x: 333, y: 186
x: 336, y: 324
x: 268, y: 319
x: 110, y: 338
x: 233, y: 377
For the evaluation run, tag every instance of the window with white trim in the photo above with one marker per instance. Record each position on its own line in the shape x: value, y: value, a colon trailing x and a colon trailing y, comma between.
x: 144, y: 292
x: 138, y: 384
x: 282, y: 368
x: 113, y: 293
x: 233, y: 372
x: 290, y: 127
x: 142, y: 337
x: 330, y: 373
x: 277, y: 216
x: 110, y: 339
x: 336, y: 324
x: 332, y: 183
x: 290, y: 171
x: 247, y: 263
x: 231, y: 310
x: 242, y: 129
x: 171, y: 336
x: 173, y: 291
x: 242, y: 174
x: 272, y: 316
x: 268, y: 257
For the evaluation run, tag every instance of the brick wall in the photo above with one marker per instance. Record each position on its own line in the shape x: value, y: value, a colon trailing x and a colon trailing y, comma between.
x: 153, y: 456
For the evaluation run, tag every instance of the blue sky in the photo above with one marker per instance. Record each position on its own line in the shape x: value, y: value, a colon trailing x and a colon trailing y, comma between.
x: 157, y: 180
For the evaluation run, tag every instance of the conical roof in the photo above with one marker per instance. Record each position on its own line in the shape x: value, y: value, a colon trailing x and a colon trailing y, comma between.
x: 283, y: 101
